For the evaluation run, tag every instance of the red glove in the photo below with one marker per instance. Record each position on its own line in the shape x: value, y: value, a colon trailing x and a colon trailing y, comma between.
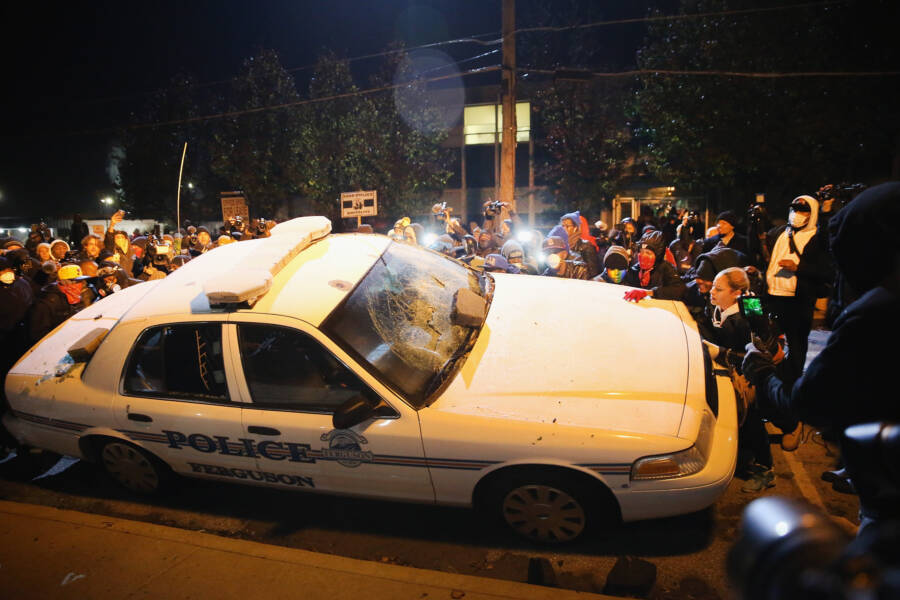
x: 636, y: 295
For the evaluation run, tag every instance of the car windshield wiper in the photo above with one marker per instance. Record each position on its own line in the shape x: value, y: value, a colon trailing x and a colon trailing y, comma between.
x: 449, y: 365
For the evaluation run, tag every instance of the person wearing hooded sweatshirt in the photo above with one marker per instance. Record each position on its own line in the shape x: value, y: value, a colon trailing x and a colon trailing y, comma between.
x: 850, y: 382
x: 797, y: 269
x: 581, y: 242
x: 514, y: 254
x: 652, y: 274
x: 58, y: 301
x: 626, y: 236
x: 58, y: 250
x: 615, y: 266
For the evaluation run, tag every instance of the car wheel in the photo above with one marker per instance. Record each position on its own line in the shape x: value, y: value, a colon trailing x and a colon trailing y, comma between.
x: 133, y: 468
x: 545, y: 508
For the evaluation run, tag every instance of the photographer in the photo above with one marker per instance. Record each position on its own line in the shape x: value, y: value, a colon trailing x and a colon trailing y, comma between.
x: 625, y: 235
x: 847, y: 383
x: 448, y: 224
x: 685, y: 247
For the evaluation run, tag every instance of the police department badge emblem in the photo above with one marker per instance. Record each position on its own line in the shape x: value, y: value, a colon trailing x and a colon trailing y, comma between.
x: 344, y: 446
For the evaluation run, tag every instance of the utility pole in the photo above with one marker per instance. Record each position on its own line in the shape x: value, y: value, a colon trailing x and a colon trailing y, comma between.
x: 508, y: 92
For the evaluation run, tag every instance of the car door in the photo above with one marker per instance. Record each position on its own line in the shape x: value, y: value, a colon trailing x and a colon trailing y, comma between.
x: 294, y: 378
x: 174, y: 399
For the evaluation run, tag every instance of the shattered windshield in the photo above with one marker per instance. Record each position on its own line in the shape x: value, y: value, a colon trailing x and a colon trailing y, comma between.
x: 397, y: 320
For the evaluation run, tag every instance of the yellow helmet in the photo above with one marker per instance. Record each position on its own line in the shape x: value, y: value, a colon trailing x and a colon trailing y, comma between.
x: 69, y: 272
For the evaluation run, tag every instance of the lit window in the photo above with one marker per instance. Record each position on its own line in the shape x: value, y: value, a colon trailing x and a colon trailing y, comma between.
x: 480, y: 123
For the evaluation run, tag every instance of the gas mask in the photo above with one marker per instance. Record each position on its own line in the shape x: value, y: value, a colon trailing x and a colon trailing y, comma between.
x: 798, y: 220
x: 617, y: 275
x: 7, y: 278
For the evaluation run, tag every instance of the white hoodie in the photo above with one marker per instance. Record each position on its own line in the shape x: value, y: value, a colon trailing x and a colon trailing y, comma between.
x: 781, y: 281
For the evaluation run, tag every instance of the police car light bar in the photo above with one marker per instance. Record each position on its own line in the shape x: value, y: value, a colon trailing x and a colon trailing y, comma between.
x: 252, y: 276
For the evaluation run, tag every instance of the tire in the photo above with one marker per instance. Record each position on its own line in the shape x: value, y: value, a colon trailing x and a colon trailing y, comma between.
x: 133, y: 468
x: 545, y: 507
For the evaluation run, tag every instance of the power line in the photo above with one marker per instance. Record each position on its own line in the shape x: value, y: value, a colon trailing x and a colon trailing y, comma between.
x: 237, y: 113
x: 718, y: 73
x: 498, y: 40
x: 660, y: 18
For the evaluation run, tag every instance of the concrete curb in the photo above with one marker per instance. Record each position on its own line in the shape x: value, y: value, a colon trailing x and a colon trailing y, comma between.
x: 54, y: 553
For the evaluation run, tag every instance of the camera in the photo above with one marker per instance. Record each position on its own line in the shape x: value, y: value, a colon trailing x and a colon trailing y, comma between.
x: 788, y: 549
x: 492, y: 209
x: 261, y: 227
x: 841, y: 193
x: 440, y: 212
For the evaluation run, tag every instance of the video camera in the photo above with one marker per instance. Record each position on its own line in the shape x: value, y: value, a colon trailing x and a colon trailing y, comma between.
x: 842, y: 193
x: 261, y: 227
x: 440, y: 212
x: 493, y: 208
x: 790, y: 550
x: 159, y: 251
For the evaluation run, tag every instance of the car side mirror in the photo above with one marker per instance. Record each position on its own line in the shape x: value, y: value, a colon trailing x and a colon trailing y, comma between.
x: 468, y: 308
x: 353, y: 412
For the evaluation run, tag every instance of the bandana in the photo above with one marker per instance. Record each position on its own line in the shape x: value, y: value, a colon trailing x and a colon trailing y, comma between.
x: 646, y: 264
x: 72, y: 291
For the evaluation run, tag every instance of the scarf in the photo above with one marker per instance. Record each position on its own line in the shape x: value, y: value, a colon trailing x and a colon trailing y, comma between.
x: 72, y: 291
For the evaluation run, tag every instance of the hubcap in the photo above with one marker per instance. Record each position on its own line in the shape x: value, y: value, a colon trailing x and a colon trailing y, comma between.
x: 544, y: 513
x: 130, y: 467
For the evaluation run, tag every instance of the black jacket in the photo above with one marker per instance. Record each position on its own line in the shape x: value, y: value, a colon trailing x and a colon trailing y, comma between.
x: 52, y: 308
x: 589, y: 256
x: 737, y: 242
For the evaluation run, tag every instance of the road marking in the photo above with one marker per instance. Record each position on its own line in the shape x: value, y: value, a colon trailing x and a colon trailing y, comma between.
x: 807, y: 489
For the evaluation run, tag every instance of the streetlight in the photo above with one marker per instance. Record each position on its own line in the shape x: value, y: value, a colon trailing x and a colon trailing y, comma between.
x: 107, y: 200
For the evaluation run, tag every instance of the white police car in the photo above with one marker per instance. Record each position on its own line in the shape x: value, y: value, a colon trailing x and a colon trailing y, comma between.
x: 351, y: 364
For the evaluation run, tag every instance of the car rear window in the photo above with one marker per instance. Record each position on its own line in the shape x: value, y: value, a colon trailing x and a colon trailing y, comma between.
x: 178, y: 361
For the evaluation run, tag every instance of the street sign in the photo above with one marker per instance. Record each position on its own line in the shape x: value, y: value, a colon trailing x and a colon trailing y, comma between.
x: 359, y: 204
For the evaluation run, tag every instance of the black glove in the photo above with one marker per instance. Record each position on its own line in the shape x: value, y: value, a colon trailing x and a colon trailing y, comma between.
x: 757, y: 366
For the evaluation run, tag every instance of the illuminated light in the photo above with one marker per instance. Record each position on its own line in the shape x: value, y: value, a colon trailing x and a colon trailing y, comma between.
x: 524, y: 236
x: 782, y: 528
x: 429, y: 239
x: 22, y: 230
x: 190, y: 185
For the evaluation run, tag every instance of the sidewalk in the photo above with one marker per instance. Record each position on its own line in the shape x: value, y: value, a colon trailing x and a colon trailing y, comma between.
x: 51, y: 553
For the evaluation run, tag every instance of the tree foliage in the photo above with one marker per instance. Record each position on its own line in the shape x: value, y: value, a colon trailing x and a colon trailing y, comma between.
x: 586, y: 141
x: 782, y: 135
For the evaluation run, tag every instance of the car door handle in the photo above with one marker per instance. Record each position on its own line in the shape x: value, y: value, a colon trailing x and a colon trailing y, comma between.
x: 140, y: 418
x: 263, y: 430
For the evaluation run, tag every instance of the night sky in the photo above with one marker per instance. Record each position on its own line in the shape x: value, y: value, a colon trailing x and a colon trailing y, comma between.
x: 74, y: 72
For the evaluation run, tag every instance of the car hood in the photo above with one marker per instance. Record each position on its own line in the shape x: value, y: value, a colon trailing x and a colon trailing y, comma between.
x: 574, y: 353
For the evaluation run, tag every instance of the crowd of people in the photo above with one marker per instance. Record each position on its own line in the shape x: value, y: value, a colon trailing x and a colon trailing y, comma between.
x: 43, y: 281
x: 46, y: 280
x: 673, y: 257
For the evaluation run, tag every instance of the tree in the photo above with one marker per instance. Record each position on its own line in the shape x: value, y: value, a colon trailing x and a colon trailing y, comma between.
x: 256, y: 149
x: 786, y: 136
x: 586, y: 141
x: 353, y: 140
x: 152, y: 149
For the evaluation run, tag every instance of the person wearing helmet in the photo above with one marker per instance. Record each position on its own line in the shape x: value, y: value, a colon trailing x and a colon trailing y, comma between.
x: 496, y: 263
x: 652, y: 274
x: 797, y: 270
x: 615, y: 266
x: 58, y: 301
x: 514, y: 254
x: 560, y: 262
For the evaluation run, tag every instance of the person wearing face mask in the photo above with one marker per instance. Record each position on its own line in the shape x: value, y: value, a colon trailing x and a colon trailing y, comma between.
x: 58, y: 301
x: 798, y: 268
x: 16, y: 298
x: 615, y: 266
x: 560, y: 262
x: 513, y: 252
x: 626, y: 237
x: 652, y: 275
